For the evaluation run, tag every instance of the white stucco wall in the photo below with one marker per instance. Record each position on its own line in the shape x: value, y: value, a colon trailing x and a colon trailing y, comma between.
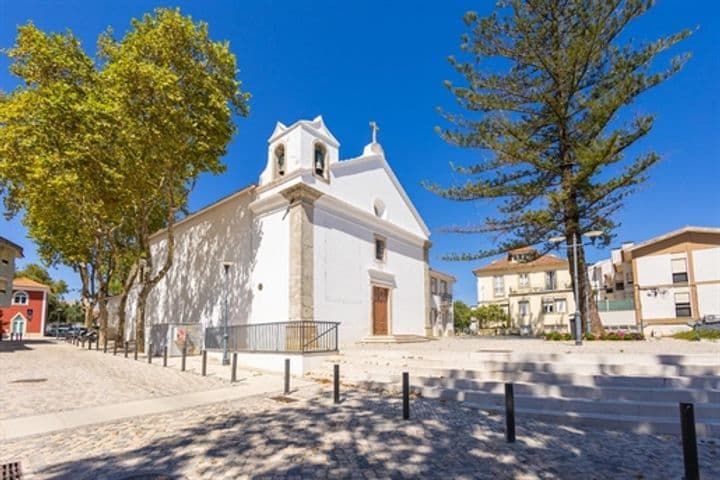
x: 654, y: 270
x: 706, y: 263
x: 660, y: 306
x: 344, y: 257
x: 708, y: 299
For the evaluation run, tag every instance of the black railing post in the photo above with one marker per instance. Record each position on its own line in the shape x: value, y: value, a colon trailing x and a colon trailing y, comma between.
x: 336, y: 383
x: 105, y: 340
x: 286, y: 386
x: 233, y: 372
x: 509, y: 413
x: 184, y: 354
x: 127, y: 345
x: 149, y: 352
x: 406, y: 395
x: 689, y: 441
x: 204, y: 363
x: 165, y: 356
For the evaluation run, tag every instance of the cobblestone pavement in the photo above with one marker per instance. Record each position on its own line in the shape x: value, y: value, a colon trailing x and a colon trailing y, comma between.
x: 44, y: 376
x: 363, y: 438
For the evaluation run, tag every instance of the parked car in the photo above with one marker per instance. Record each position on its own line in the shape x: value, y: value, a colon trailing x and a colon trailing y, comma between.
x: 708, y: 322
x: 57, y: 331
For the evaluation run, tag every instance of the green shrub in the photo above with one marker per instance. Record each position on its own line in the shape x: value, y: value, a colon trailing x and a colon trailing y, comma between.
x: 698, y: 334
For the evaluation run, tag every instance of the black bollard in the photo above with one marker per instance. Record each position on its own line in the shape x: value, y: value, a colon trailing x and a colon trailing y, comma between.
x: 184, y: 353
x: 406, y: 395
x: 105, y: 345
x: 509, y: 413
x: 135, y: 351
x: 689, y: 441
x: 233, y: 372
x: 89, y: 344
x: 204, y: 363
x: 150, y: 352
x: 97, y: 343
x: 126, y: 349
x: 115, y: 347
x: 286, y: 386
x: 165, y: 356
x: 336, y: 383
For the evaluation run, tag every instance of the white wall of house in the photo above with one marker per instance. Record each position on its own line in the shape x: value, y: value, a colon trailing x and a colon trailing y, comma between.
x: 654, y: 270
x: 706, y: 264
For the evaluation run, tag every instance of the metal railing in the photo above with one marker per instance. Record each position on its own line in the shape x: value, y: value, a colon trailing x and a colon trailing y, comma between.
x: 304, y: 336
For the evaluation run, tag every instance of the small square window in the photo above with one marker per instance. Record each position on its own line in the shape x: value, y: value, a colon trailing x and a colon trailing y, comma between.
x: 682, y: 305
x: 560, y: 305
x: 433, y: 286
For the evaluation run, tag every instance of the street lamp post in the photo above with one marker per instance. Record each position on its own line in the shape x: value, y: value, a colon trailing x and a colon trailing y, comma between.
x: 226, y: 268
x: 576, y: 276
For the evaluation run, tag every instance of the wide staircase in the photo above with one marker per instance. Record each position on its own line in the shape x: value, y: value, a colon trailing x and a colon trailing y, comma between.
x: 633, y: 392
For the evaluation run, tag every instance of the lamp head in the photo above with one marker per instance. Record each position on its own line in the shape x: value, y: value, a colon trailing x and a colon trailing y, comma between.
x: 593, y: 233
x: 558, y: 239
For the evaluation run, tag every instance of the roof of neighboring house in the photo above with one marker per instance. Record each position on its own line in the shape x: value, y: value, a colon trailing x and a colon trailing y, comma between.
x: 506, y: 263
x: 12, y: 245
x: 674, y: 233
x: 443, y: 274
x: 24, y: 282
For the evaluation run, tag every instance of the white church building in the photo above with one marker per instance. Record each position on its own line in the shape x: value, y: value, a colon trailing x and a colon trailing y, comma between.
x: 317, y: 238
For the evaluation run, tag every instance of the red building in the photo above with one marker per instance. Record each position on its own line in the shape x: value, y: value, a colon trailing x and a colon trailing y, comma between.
x: 28, y: 308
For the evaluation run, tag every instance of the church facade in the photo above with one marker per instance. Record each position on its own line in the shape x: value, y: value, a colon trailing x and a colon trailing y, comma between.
x: 317, y: 238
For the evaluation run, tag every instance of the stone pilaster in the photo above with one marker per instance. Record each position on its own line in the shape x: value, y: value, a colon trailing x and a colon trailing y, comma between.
x: 302, y: 251
x: 426, y: 268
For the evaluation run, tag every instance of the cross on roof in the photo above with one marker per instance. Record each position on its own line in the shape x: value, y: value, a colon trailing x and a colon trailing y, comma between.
x: 375, y: 129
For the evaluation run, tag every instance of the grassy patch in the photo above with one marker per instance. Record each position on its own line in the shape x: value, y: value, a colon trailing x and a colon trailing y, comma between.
x: 698, y: 334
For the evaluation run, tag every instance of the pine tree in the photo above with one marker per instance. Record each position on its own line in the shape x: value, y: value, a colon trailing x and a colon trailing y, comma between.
x: 548, y: 113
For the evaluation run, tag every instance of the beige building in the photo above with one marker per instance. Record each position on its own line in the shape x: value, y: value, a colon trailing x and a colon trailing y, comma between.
x: 9, y: 251
x: 440, y: 304
x: 676, y: 278
x: 534, y: 289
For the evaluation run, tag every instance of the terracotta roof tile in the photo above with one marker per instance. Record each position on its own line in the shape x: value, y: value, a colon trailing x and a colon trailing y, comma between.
x: 506, y: 264
x: 23, y: 282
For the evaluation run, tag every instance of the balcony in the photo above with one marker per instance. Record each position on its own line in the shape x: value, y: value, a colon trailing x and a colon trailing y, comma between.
x: 538, y: 289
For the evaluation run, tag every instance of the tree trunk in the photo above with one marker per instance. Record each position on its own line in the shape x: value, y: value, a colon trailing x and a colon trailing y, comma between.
x: 140, y: 318
x: 122, y: 306
x: 103, y: 312
x: 588, y: 307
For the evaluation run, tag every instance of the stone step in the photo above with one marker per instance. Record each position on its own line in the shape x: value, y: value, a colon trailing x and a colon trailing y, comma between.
x: 368, y: 372
x: 704, y: 412
x: 701, y: 359
x: 547, y: 367
x: 577, y: 391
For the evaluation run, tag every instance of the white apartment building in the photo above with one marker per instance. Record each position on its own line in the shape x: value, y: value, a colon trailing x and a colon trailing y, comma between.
x: 9, y: 251
x: 440, y: 304
x: 536, y: 290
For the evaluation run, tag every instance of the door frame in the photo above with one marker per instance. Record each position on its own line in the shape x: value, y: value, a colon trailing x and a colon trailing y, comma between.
x: 24, y: 323
x: 388, y: 306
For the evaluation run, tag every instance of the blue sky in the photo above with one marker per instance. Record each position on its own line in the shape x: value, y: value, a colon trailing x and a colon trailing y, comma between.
x: 353, y: 62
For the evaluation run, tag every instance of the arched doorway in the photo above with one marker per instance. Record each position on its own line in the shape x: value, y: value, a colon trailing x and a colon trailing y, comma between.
x: 17, y: 325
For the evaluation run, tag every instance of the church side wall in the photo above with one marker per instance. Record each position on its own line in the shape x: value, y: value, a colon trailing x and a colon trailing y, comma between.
x: 271, y: 270
x: 344, y: 256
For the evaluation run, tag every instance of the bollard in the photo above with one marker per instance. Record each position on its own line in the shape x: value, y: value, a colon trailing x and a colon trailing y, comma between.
x: 115, y: 347
x: 286, y: 386
x: 105, y: 345
x: 184, y: 353
x: 406, y: 395
x: 336, y: 383
x: 165, y: 356
x: 509, y: 413
x: 89, y: 344
x: 135, y: 351
x: 204, y: 363
x: 126, y: 349
x: 149, y: 352
x: 233, y: 372
x: 97, y: 343
x: 690, y: 453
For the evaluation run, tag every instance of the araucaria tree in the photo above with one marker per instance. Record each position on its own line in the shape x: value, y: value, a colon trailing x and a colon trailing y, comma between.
x: 544, y: 86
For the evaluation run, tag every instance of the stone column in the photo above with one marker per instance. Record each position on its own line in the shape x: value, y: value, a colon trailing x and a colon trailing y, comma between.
x: 426, y: 268
x: 302, y: 251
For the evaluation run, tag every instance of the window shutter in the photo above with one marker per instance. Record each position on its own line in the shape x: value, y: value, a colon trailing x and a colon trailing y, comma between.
x: 682, y: 298
x: 679, y: 265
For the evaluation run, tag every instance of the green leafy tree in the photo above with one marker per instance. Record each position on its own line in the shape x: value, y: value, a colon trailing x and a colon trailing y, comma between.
x: 174, y: 91
x: 548, y: 116
x: 58, y: 308
x: 461, y: 315
x: 491, y: 316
